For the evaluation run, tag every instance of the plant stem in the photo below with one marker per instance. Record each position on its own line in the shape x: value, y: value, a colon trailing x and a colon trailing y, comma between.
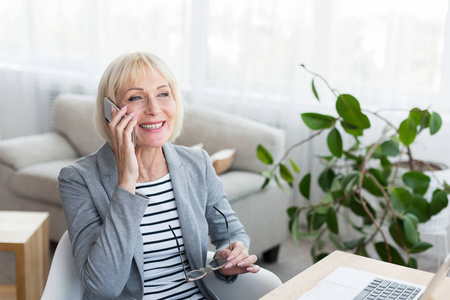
x: 338, y: 201
x: 391, y: 209
x: 408, y: 151
x: 374, y: 234
x: 363, y: 202
x: 382, y: 118
x: 334, y: 91
x: 286, y: 154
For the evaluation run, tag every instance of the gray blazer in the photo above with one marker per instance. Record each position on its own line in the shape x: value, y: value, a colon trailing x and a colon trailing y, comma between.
x: 103, y: 219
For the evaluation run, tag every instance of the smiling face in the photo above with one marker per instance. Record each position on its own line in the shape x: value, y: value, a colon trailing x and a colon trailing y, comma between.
x: 150, y: 97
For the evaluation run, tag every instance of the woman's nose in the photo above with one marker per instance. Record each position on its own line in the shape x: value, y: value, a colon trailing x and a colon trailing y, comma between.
x: 153, y: 107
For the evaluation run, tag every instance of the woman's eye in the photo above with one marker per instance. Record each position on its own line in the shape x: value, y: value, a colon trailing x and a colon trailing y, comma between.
x: 164, y: 95
x: 134, y: 98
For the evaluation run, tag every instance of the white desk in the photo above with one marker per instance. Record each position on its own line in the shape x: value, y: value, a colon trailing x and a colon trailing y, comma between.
x: 309, y: 278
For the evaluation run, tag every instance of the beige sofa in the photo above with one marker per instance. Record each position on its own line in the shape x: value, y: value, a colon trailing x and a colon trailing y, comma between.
x: 29, y: 166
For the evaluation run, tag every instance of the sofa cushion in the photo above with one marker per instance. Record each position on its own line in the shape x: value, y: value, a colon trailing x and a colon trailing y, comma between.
x: 39, y: 181
x: 74, y: 118
x: 222, y: 160
x: 240, y: 184
x: 28, y: 150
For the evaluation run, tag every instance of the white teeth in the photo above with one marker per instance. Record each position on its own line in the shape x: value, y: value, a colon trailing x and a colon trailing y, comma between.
x: 152, y: 126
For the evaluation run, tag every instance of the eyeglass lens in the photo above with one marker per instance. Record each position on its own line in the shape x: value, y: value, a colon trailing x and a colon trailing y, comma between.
x: 217, y: 263
x: 214, y: 265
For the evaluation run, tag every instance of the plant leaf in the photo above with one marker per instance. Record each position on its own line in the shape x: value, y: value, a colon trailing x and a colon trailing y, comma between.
x: 326, y: 179
x: 358, y: 209
x: 292, y: 210
x: 349, y: 245
x: 407, y: 131
x: 320, y: 256
x: 416, y: 115
x: 398, y: 234
x: 332, y: 222
x: 280, y: 185
x: 420, y: 208
x: 418, y: 181
x: 313, y: 87
x: 370, y: 185
x: 420, y: 117
x: 395, y: 256
x: 326, y: 202
x: 286, y: 173
x: 308, y: 236
x: 425, y: 120
x: 334, y: 141
x: 305, y: 185
x: 294, y: 166
x: 264, y: 155
x: 390, y: 148
x: 349, y: 109
x: 335, y: 242
x: 420, y: 247
x: 351, y: 129
x: 266, y: 182
x: 435, y: 123
x: 294, y: 225
x: 410, y: 228
x: 401, y: 199
x: 267, y: 173
x: 438, y: 202
x: 317, y: 121
x: 349, y: 182
x: 412, y: 263
x: 314, y: 220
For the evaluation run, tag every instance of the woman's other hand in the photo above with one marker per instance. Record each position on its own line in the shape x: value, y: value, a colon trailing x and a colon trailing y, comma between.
x: 121, y: 128
x: 239, y: 261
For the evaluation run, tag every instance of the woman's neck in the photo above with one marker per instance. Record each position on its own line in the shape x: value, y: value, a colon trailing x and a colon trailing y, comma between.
x: 152, y: 163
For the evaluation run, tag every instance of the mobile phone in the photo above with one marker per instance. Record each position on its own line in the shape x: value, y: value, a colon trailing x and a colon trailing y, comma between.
x: 107, y: 104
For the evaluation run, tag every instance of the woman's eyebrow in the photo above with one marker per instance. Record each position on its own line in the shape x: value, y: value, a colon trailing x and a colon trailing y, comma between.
x: 141, y: 89
x: 134, y: 88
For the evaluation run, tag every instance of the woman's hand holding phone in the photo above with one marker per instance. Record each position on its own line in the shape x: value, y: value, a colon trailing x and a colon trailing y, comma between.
x: 121, y: 127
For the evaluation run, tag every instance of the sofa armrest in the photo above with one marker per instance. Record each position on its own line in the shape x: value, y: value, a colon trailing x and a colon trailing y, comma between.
x: 22, y: 151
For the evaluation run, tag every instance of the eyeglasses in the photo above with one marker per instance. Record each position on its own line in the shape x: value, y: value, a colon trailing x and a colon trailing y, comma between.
x: 215, y: 264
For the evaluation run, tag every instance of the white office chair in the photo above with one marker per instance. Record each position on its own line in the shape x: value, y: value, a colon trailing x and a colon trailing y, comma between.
x: 63, y: 281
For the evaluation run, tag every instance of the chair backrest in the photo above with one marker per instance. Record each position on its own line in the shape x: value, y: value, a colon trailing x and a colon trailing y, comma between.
x: 63, y: 281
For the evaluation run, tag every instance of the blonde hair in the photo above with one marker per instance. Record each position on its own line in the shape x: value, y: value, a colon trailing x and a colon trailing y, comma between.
x: 128, y: 68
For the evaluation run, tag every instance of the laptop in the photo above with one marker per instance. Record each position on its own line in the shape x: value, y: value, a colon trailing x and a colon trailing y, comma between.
x: 351, y: 284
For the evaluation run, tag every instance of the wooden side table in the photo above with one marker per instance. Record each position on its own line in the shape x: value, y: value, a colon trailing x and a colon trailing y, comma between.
x: 26, y: 234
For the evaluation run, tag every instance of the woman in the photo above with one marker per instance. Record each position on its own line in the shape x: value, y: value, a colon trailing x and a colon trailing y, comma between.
x: 122, y: 201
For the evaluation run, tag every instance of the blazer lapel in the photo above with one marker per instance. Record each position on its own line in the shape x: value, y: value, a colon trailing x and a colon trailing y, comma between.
x: 186, y: 215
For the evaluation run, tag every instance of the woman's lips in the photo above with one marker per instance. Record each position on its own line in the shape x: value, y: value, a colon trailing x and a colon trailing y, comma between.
x: 152, y: 125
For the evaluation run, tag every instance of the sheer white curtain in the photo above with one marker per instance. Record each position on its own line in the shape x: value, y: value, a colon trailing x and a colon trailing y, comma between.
x: 52, y: 46
x: 239, y: 56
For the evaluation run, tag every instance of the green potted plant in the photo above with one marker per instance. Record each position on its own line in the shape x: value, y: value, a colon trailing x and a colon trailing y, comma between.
x: 381, y: 197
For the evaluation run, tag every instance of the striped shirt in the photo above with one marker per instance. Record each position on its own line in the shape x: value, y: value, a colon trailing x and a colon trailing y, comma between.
x: 163, y: 273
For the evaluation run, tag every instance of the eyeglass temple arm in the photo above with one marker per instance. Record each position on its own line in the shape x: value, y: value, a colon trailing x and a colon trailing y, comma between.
x: 179, y: 252
x: 226, y: 223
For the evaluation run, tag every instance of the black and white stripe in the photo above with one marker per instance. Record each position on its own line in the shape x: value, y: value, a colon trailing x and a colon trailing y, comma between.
x: 163, y: 273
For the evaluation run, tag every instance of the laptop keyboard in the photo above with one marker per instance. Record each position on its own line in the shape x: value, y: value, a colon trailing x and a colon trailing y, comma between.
x: 381, y: 289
